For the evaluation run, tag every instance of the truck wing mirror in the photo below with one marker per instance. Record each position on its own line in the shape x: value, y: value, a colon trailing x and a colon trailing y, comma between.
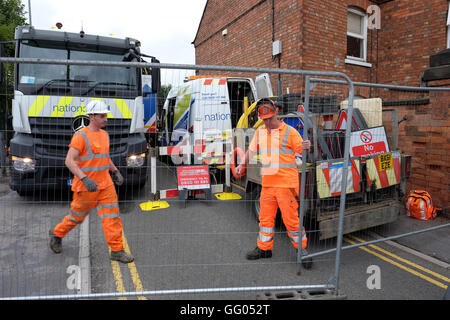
x: 156, y: 77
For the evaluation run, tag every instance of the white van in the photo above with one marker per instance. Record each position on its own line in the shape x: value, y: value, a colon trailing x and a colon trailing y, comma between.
x: 208, y: 107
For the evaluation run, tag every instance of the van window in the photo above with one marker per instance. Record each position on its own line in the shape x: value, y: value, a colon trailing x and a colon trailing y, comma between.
x: 237, y: 90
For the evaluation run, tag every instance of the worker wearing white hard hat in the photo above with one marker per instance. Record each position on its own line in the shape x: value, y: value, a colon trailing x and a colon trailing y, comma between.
x: 97, y: 107
x: 97, y: 111
x: 89, y: 161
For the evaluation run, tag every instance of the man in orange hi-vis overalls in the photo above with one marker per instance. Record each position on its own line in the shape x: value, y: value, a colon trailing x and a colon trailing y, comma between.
x: 277, y: 144
x: 89, y: 161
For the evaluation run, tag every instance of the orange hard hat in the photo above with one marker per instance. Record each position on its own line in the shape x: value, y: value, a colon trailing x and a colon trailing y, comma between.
x: 267, y: 109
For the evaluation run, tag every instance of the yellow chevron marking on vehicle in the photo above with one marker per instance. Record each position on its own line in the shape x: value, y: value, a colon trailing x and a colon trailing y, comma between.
x: 37, y: 106
x: 123, y: 108
x: 57, y: 113
x: 414, y: 272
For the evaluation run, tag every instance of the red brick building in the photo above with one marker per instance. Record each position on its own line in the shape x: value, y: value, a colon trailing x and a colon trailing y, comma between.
x: 384, y: 41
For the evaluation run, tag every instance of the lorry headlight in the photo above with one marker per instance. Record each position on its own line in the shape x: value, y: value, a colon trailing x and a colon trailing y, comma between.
x: 23, y: 164
x: 135, y: 160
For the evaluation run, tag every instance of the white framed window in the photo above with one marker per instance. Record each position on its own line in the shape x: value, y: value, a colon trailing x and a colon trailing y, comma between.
x: 357, y: 37
x: 448, y: 26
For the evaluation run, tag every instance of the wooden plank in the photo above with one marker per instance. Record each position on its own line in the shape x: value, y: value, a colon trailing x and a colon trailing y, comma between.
x: 360, y: 220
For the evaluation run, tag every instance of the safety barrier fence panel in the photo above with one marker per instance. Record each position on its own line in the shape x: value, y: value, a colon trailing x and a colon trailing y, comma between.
x: 398, y: 144
x: 192, y: 243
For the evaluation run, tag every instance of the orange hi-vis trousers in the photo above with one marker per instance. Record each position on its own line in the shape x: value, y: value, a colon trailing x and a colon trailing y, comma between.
x: 284, y: 198
x: 106, y: 203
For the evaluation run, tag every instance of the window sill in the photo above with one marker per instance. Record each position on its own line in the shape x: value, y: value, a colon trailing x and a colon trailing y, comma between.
x: 359, y: 63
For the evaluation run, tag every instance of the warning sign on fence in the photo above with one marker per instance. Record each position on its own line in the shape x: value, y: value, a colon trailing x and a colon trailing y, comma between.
x: 368, y: 142
x: 193, y: 177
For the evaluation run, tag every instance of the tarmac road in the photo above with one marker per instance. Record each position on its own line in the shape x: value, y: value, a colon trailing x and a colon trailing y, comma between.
x: 204, y: 246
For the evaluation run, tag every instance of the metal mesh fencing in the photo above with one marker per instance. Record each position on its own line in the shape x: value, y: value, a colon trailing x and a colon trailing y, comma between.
x: 190, y: 237
x: 398, y: 143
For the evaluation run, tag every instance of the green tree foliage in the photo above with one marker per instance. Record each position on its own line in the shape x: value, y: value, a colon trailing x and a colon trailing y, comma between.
x: 163, y: 92
x: 12, y: 14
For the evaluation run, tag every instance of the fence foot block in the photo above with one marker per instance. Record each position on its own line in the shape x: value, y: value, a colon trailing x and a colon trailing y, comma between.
x: 315, y: 294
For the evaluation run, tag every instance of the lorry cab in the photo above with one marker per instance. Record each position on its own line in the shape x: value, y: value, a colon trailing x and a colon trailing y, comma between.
x: 208, y: 107
x: 49, y: 106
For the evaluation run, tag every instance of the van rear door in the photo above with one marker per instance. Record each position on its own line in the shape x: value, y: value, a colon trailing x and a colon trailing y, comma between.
x: 263, y: 86
x: 214, y: 105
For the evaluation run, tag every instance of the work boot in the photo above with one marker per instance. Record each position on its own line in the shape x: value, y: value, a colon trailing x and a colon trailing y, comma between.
x: 259, y: 253
x: 121, y: 256
x: 55, y: 242
x: 306, y: 262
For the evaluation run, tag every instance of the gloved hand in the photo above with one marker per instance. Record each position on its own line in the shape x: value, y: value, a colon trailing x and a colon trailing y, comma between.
x: 117, y: 178
x: 90, y: 184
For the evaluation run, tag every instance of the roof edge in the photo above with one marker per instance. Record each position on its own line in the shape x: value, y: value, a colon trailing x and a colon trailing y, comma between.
x: 201, y: 19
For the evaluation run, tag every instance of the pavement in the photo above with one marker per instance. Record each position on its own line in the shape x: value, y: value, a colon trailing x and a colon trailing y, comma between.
x: 20, y: 253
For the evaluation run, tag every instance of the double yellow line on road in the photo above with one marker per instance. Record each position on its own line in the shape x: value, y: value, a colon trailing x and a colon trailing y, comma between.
x: 118, y: 279
x: 401, y: 266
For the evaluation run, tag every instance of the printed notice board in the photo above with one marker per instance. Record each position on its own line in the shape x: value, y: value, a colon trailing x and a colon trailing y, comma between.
x: 193, y: 177
x: 385, y: 162
x: 368, y: 142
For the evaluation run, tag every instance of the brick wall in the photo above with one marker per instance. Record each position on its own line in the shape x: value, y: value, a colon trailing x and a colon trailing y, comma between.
x: 313, y: 35
x: 426, y: 136
x: 411, y: 31
x: 250, y: 34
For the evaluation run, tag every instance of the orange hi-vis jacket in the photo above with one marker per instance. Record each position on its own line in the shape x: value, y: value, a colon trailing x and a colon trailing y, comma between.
x: 94, y: 158
x: 277, y: 149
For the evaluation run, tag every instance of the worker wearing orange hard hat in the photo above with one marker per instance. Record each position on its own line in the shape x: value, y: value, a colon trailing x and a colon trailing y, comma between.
x: 277, y: 144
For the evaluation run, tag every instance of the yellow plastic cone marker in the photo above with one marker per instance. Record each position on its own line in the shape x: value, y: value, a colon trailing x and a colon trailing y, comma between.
x: 154, y: 205
x: 228, y: 196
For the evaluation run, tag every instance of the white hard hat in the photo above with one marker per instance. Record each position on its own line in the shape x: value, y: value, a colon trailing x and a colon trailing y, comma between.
x: 96, y: 106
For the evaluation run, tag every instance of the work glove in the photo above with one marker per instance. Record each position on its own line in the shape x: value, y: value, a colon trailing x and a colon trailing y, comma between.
x: 117, y: 178
x: 90, y: 184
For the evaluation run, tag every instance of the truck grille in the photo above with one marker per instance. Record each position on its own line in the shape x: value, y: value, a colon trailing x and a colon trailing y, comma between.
x: 52, y: 136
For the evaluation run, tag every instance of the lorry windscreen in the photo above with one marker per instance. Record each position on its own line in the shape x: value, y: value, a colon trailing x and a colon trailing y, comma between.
x: 75, y: 80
